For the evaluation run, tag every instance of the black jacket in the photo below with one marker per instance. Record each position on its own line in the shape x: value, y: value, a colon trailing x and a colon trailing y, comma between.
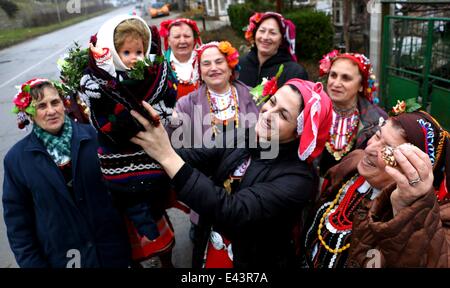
x: 45, y: 224
x: 259, y: 216
x: 251, y: 73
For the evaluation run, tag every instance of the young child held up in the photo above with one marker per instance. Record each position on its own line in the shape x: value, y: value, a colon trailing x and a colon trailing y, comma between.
x: 120, y: 75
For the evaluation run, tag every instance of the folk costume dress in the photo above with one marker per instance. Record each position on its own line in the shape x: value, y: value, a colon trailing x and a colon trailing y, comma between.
x: 138, y: 184
x: 252, y: 202
x: 352, y: 127
x: 350, y: 130
x: 185, y: 75
x: 329, y: 231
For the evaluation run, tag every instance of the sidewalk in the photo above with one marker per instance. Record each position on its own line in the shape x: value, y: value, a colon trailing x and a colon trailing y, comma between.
x: 212, y: 25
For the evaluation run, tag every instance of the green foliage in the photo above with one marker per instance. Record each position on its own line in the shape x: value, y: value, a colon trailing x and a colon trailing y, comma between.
x: 412, y: 105
x: 314, y: 33
x: 138, y: 71
x: 239, y: 14
x: 9, y: 7
x: 72, y: 67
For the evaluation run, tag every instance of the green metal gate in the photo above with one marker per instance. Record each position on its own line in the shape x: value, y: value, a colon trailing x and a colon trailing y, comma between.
x: 416, y: 63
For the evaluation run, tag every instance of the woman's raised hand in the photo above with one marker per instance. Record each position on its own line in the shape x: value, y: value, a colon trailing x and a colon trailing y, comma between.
x: 154, y: 140
x: 414, y: 177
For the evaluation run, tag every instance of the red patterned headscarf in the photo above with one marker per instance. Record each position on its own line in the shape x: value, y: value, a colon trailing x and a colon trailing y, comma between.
x: 314, y: 122
x: 287, y: 29
x: 164, y: 30
x: 364, y: 67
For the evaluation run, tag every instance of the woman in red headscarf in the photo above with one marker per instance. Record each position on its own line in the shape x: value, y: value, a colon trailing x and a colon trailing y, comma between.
x: 273, y: 44
x: 252, y: 195
x: 350, y: 85
x: 386, y: 205
x: 181, y: 37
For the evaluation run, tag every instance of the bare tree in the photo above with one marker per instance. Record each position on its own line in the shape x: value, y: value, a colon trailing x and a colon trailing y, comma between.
x: 279, y: 6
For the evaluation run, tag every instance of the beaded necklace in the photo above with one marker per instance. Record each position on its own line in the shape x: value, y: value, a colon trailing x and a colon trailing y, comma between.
x: 342, y: 134
x: 221, y: 104
x: 213, y: 113
x: 336, y: 219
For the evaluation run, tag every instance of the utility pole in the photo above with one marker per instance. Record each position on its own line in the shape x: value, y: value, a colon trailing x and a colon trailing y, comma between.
x: 57, y: 11
x: 346, y: 28
x: 205, y: 13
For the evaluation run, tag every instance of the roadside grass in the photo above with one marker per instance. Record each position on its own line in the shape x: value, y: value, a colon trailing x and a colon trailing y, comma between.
x: 9, y: 37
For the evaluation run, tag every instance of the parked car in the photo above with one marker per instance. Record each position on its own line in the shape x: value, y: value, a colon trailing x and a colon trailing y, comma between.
x: 159, y: 9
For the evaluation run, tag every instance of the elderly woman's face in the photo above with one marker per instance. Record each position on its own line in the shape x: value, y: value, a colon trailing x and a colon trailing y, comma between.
x: 278, y: 116
x: 372, y: 166
x: 50, y: 111
x: 268, y: 37
x: 344, y: 82
x: 181, y: 40
x: 214, y: 69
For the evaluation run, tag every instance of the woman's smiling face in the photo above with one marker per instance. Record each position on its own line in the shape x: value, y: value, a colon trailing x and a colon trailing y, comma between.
x: 278, y: 116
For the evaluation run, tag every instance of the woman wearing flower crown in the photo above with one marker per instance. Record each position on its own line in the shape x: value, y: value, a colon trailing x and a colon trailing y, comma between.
x: 252, y: 195
x: 181, y: 36
x: 402, y: 177
x: 221, y: 103
x: 350, y: 85
x: 57, y: 210
x: 220, y: 106
x: 273, y: 44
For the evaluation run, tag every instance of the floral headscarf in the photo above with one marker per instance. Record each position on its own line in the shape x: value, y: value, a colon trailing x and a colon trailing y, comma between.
x: 423, y: 131
x: 364, y: 67
x: 165, y: 26
x: 286, y: 26
x: 231, y: 54
x: 24, y: 105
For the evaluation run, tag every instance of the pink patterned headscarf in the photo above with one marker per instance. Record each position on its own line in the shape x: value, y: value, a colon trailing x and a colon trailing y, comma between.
x: 286, y: 26
x: 314, y: 122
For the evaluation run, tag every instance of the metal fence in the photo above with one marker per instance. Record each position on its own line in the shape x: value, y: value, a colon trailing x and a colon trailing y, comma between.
x: 416, y: 63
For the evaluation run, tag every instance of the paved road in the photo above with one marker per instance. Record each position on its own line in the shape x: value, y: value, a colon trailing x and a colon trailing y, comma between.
x: 37, y: 57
